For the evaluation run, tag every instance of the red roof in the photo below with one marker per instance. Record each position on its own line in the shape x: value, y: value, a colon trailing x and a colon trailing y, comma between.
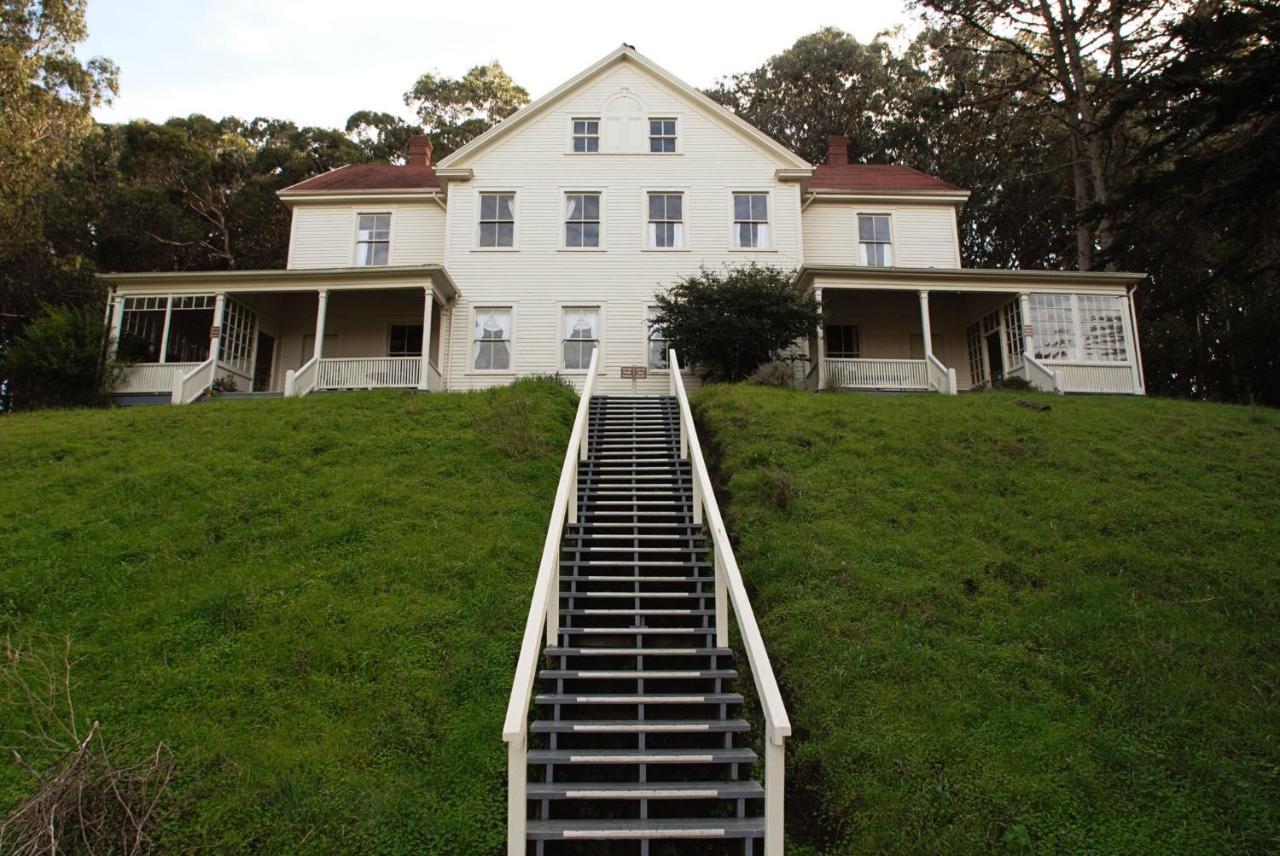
x: 370, y: 176
x: 884, y: 177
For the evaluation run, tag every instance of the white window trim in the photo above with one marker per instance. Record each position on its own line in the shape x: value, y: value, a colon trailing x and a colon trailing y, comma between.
x: 644, y: 342
x: 568, y: 146
x: 391, y: 235
x: 566, y: 192
x: 673, y: 117
x: 471, y: 340
x: 601, y: 363
x: 772, y: 221
x: 893, y: 238
x: 644, y: 218
x: 515, y: 227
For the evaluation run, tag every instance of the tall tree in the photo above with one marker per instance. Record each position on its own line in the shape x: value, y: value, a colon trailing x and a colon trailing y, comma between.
x: 454, y: 111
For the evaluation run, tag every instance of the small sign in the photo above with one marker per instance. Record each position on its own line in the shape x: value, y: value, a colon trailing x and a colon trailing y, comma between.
x: 635, y: 372
x: 215, y: 331
x: 1028, y: 330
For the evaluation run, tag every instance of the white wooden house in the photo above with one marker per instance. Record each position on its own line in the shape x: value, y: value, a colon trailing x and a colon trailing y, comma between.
x: 549, y: 235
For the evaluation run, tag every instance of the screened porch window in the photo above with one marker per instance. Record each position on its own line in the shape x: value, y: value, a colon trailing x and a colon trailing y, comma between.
x: 404, y: 340
x: 1085, y: 327
x: 491, y: 347
x: 239, y: 329
x: 142, y: 329
x: 842, y: 341
x: 373, y: 240
x: 581, y: 335
x: 875, y: 240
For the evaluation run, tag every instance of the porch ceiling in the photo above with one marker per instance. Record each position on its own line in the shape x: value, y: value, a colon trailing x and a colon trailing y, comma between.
x: 964, y: 279
x: 310, y: 279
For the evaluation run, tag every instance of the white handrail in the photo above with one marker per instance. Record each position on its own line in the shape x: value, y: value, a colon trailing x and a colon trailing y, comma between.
x: 189, y: 386
x: 941, y: 378
x: 298, y: 382
x: 1041, y: 376
x: 729, y: 582
x: 544, y: 611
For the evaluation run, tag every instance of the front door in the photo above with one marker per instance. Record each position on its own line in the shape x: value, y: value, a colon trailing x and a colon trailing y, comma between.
x: 262, y: 362
x: 994, y: 359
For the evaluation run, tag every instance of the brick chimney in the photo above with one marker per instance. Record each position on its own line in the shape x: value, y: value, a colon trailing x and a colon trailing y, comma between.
x: 837, y: 151
x: 419, y: 152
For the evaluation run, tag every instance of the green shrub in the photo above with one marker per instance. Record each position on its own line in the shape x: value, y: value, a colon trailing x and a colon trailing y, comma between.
x: 59, y: 360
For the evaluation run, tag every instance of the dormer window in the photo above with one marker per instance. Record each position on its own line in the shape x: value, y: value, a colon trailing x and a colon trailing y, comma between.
x: 373, y: 240
x: 875, y: 242
x: 662, y: 135
x: 586, y: 135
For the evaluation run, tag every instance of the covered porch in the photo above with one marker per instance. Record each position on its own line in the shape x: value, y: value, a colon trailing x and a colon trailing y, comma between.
x: 280, y: 332
x: 952, y: 330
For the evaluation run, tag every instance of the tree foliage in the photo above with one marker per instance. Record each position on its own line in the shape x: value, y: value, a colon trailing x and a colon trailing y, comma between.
x: 727, y: 323
x: 455, y: 111
x: 58, y: 359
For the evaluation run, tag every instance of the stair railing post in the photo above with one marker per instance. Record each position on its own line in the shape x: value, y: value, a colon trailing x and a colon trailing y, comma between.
x: 517, y: 806
x: 774, y: 761
x: 722, y: 603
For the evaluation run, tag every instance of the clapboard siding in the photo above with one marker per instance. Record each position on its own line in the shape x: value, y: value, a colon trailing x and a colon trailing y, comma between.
x: 539, y: 278
x: 324, y: 234
x: 923, y: 235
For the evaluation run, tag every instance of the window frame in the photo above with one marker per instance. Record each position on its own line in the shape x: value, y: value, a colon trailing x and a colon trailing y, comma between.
x: 565, y: 193
x: 574, y: 135
x: 648, y: 342
x: 390, y: 215
x: 645, y: 245
x: 841, y: 354
x: 733, y: 221
x: 857, y: 232
x: 476, y: 311
x: 515, y: 222
x: 1077, y: 325
x: 564, y: 308
x: 391, y: 327
x: 674, y: 136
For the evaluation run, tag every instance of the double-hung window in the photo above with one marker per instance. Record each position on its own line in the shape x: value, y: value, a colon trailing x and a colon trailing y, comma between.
x: 842, y: 341
x: 582, y: 220
x: 662, y: 135
x: 666, y: 221
x: 751, y: 220
x: 373, y: 240
x: 497, y: 219
x: 405, y: 340
x: 657, y: 344
x: 581, y: 336
x: 586, y: 135
x: 875, y: 243
x: 491, y: 342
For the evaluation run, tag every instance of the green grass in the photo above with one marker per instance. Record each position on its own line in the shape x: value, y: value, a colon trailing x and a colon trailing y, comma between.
x: 1003, y: 629
x: 316, y: 603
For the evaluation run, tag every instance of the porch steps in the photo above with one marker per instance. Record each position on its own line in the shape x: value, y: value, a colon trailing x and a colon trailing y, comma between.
x: 634, y: 740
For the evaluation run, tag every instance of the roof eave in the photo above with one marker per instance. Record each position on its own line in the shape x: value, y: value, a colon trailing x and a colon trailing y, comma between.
x: 367, y: 194
x: 262, y: 280
x: 950, y: 197
x: 940, y: 277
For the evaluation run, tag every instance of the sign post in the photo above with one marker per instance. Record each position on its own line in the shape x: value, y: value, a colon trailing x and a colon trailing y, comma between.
x: 634, y: 373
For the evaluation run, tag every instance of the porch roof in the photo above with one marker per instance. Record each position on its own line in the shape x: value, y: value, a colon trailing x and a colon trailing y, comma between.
x: 964, y: 279
x: 304, y: 279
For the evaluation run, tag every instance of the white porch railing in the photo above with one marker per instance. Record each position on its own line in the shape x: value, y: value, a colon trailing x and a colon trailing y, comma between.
x: 730, y: 590
x: 152, y: 377
x: 302, y: 380
x: 544, y: 614
x: 1094, y: 377
x: 368, y: 372
x: 941, y: 378
x: 186, y: 388
x: 877, y: 374
x: 1039, y: 375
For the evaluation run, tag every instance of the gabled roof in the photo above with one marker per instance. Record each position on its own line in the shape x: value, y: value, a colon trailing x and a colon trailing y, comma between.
x: 787, y: 159
x: 368, y: 176
x: 877, y: 177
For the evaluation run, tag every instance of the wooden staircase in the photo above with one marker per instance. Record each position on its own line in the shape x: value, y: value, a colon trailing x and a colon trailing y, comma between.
x: 637, y: 721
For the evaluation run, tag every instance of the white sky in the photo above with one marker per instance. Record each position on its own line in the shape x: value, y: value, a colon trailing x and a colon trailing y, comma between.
x: 318, y: 61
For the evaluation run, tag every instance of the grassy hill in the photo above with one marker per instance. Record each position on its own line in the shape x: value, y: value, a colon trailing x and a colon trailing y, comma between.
x: 316, y: 603
x: 998, y: 628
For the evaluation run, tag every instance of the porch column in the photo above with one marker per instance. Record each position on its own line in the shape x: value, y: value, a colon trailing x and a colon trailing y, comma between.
x: 822, y: 347
x: 926, y: 329
x: 117, y: 322
x: 215, y: 335
x: 1028, y: 332
x: 164, y: 334
x: 322, y: 305
x: 424, y: 369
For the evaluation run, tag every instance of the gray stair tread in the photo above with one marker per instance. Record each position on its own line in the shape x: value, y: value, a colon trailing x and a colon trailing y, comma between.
x: 611, y: 726
x: 616, y: 578
x: 632, y: 674
x: 683, y: 612
x: 634, y: 594
x: 749, y: 789
x: 630, y: 631
x: 559, y: 651
x: 633, y: 830
x: 642, y: 756
x: 639, y: 698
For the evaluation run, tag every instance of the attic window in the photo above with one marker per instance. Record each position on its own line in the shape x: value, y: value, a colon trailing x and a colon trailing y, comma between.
x: 586, y: 135
x: 662, y: 135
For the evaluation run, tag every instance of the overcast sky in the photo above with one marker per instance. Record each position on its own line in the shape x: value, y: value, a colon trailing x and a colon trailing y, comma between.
x: 318, y: 61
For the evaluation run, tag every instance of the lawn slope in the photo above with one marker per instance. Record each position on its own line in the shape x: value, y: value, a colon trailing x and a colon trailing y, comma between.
x: 999, y: 628
x: 317, y: 603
